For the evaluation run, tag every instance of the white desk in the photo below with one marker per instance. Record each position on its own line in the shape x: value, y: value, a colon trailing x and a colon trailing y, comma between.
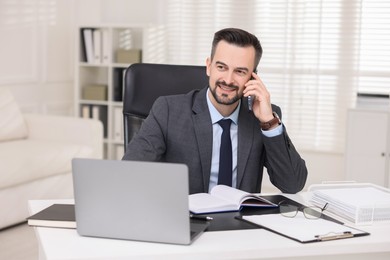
x: 58, y: 243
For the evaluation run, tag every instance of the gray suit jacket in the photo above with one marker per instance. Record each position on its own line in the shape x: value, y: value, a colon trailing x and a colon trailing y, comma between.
x: 178, y: 129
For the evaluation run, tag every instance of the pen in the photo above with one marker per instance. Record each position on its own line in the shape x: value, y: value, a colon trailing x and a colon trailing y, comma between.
x: 201, y: 217
x: 326, y: 237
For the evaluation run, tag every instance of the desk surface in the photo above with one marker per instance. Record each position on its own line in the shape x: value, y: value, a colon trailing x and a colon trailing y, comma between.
x: 58, y: 243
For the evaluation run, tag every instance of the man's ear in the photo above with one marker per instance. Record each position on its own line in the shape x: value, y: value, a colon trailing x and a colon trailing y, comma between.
x: 208, y: 66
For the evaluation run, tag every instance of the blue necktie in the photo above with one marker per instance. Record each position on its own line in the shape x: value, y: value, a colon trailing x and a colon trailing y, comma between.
x: 225, y: 154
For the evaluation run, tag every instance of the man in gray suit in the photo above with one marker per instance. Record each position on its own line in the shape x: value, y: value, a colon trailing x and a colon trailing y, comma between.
x: 186, y: 129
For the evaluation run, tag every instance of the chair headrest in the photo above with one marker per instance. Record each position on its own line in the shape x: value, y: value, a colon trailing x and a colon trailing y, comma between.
x: 145, y: 82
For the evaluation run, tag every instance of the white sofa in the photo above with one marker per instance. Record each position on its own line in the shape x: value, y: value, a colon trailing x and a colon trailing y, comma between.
x: 35, y: 156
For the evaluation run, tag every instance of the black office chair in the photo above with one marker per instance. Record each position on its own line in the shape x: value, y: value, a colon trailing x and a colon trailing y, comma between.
x: 144, y: 83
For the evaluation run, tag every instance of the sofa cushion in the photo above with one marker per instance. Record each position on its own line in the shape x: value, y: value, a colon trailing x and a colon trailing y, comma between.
x: 12, y: 124
x: 26, y: 160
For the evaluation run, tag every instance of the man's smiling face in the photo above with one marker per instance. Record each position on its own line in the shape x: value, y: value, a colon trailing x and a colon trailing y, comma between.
x: 228, y: 71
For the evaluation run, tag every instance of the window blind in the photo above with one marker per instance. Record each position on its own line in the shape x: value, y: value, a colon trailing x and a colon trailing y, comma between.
x: 317, y: 55
x: 374, y: 49
x: 21, y: 24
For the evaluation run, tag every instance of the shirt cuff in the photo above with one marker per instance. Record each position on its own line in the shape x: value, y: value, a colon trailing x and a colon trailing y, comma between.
x: 273, y: 132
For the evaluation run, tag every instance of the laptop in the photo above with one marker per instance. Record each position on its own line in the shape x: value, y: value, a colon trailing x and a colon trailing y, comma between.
x: 132, y: 200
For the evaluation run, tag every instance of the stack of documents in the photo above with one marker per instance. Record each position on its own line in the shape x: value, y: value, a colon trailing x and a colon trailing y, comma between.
x: 362, y: 204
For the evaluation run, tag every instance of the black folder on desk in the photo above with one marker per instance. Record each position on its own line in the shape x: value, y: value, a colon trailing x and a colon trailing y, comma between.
x: 231, y: 220
x: 223, y: 221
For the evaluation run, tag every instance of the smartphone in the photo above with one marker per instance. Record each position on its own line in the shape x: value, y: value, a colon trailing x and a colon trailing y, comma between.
x: 250, y: 98
x: 250, y: 102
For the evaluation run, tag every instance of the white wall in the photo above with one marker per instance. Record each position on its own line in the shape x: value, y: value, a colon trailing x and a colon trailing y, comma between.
x: 120, y: 11
x: 41, y: 77
x: 322, y: 167
x: 38, y: 47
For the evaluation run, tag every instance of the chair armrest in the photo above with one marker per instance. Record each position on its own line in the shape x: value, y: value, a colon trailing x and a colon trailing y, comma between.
x: 66, y: 129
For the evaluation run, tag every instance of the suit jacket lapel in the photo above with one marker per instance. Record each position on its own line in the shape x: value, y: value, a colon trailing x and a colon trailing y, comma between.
x: 246, y: 130
x: 204, y: 134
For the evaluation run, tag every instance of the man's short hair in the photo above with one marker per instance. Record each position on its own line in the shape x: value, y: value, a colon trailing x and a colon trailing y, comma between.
x: 240, y: 38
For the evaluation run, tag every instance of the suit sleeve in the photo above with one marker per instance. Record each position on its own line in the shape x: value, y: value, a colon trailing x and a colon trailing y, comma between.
x: 286, y: 169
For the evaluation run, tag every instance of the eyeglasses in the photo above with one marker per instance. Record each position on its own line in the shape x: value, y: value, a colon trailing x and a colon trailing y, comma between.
x: 291, y: 211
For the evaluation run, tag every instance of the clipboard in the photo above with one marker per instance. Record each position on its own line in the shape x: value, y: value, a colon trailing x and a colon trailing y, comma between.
x: 302, y: 229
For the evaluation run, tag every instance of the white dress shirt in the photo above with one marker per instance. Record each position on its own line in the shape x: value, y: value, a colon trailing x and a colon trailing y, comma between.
x: 217, y: 132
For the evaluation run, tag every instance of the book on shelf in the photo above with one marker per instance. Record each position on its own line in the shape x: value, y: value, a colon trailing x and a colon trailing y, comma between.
x: 118, y: 81
x: 56, y: 215
x: 86, y: 111
x: 224, y: 198
x: 118, y: 124
x: 100, y: 113
x: 96, y: 114
x: 97, y: 46
x: 88, y: 45
x: 105, y: 46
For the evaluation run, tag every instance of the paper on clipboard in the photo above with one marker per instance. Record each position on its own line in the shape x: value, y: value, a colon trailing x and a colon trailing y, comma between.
x: 302, y: 229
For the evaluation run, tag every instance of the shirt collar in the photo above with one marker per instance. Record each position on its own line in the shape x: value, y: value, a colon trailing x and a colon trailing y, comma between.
x: 216, y: 116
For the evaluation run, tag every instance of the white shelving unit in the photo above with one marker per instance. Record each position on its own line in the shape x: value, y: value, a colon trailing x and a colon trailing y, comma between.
x: 106, y: 72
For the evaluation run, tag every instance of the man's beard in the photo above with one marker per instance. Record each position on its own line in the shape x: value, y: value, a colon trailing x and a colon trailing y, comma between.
x: 224, y: 100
